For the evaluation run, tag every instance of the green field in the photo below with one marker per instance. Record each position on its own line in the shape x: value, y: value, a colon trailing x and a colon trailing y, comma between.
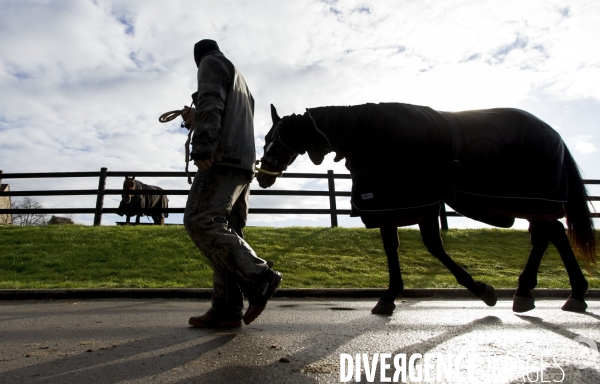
x: 63, y: 256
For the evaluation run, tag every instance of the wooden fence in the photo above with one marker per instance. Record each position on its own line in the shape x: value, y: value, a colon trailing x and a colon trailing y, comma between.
x: 101, y: 191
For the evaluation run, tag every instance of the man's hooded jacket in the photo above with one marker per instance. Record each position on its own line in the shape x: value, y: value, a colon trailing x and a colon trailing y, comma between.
x: 223, y: 125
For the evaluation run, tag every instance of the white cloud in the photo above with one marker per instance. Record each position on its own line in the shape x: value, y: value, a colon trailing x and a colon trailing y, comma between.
x: 582, y: 144
x: 83, y: 82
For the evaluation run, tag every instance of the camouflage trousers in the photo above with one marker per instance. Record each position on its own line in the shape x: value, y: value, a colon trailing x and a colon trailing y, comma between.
x: 215, y: 216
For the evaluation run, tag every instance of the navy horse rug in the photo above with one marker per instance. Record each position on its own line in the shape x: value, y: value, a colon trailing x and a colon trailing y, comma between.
x: 491, y: 165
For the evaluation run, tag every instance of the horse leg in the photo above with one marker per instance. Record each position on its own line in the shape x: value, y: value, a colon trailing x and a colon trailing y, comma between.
x: 385, y: 305
x: 137, y: 219
x: 128, y: 219
x: 579, y: 284
x: 157, y: 220
x: 523, y: 299
x: 430, y: 233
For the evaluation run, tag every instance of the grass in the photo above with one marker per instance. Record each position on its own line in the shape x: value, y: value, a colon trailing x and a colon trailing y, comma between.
x: 64, y: 256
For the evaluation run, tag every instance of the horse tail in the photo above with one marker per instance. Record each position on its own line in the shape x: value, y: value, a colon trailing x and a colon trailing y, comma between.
x: 579, y: 218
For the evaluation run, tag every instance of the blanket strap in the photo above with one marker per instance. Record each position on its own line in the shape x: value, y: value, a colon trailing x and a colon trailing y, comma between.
x: 457, y: 148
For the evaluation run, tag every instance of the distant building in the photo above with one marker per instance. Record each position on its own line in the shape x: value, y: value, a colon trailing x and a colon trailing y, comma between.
x: 5, y: 204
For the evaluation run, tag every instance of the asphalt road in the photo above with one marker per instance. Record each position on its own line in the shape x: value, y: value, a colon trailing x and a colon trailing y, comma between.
x: 297, y: 341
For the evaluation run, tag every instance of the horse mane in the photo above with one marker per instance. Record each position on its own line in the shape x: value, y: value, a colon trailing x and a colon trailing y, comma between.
x: 301, y: 134
x: 138, y: 185
x: 293, y: 132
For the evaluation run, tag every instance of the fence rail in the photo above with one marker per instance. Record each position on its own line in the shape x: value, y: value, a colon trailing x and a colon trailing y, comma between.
x: 101, y: 191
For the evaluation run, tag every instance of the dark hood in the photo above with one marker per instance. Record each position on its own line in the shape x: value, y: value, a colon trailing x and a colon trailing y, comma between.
x: 203, y: 47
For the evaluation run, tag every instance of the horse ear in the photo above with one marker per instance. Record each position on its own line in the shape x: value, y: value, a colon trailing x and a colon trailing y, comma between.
x: 274, y: 116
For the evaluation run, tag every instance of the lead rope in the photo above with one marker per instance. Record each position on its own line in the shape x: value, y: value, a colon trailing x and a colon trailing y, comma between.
x: 268, y: 172
x: 168, y: 116
x: 171, y: 115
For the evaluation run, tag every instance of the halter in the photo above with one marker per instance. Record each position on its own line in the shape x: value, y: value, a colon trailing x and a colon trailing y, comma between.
x: 278, y: 146
x: 126, y: 196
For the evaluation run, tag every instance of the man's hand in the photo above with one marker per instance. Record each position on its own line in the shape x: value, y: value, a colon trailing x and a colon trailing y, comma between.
x: 203, y: 165
x: 188, y: 114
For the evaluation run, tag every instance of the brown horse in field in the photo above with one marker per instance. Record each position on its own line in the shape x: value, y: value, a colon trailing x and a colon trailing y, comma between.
x: 137, y: 204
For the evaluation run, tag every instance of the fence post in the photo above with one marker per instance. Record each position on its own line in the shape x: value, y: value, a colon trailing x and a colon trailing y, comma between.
x: 100, y: 197
x: 332, y: 204
x: 443, y: 216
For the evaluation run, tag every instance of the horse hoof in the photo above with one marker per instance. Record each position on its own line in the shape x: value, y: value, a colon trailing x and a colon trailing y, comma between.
x: 574, y: 305
x: 489, y: 296
x: 523, y: 304
x: 383, y: 308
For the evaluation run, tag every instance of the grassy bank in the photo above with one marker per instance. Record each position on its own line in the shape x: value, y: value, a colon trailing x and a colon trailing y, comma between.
x: 153, y: 257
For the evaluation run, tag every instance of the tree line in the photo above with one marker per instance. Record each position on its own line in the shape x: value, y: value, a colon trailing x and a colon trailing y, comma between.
x: 35, y: 219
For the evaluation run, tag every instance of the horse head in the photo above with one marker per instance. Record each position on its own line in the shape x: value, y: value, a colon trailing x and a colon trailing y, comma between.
x: 278, y: 154
x: 128, y: 185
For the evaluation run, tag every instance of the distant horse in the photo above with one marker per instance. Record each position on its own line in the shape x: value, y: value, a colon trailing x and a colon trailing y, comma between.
x: 489, y: 165
x: 134, y: 205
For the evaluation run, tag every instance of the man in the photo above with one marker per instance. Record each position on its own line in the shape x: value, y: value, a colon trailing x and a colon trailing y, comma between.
x: 217, y: 205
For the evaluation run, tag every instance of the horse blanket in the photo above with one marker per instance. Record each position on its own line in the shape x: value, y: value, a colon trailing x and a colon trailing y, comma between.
x: 406, y: 159
x: 140, y: 202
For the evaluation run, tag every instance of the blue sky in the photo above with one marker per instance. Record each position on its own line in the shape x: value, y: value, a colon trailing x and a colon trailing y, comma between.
x: 83, y: 82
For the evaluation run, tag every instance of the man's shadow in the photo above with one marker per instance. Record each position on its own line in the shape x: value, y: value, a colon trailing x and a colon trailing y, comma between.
x: 119, y: 362
x: 293, y: 372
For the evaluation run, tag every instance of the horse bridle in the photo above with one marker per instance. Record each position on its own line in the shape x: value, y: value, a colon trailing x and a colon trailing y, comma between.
x: 276, y: 159
x: 125, y: 196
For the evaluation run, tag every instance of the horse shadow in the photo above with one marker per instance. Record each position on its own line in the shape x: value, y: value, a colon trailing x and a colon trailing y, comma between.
x: 556, y: 328
x: 302, y: 366
x: 593, y: 315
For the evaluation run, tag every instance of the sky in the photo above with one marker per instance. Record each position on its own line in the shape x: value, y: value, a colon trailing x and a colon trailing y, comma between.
x: 83, y: 82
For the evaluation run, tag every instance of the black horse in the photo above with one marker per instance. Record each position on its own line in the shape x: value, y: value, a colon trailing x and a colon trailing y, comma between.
x: 489, y: 165
x: 136, y: 205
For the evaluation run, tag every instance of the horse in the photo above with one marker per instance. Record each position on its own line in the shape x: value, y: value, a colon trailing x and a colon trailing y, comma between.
x: 490, y: 165
x: 135, y: 205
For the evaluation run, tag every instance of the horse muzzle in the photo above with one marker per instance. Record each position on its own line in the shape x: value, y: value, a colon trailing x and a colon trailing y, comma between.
x: 266, y: 180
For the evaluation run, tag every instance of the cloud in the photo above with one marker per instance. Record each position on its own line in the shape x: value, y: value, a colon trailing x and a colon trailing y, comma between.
x: 582, y: 144
x: 83, y: 82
